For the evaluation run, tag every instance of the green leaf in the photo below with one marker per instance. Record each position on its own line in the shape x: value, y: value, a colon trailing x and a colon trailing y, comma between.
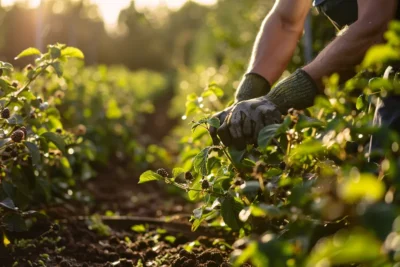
x: 236, y: 155
x: 31, y: 51
x: 56, y: 139
x: 214, y: 122
x: 200, y: 161
x: 344, y: 248
x: 8, y: 204
x: 150, y: 176
x: 360, y: 102
x: 196, y: 193
x: 269, y: 132
x: 58, y: 68
x: 66, y: 167
x: 230, y: 209
x: 6, y: 66
x: 55, y: 52
x: 380, y: 54
x: 14, y: 222
x: 35, y: 152
x: 177, y: 171
x: 361, y: 187
x: 307, y: 148
x: 140, y: 228
x: 72, y: 52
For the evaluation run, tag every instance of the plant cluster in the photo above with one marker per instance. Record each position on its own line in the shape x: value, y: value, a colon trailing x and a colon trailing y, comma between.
x: 40, y: 160
x: 311, y: 193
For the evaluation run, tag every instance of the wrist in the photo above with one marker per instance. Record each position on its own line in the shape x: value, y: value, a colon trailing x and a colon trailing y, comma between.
x: 297, y: 91
x: 252, y: 85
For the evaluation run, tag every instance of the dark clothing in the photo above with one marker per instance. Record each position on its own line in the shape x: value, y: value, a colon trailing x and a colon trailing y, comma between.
x: 387, y: 113
x: 342, y: 12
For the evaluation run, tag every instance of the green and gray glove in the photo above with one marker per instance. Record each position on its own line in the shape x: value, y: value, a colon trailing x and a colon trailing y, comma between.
x: 252, y: 85
x: 246, y: 119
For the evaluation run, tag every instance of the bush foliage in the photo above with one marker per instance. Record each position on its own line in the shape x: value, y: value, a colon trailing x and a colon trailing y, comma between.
x: 311, y: 189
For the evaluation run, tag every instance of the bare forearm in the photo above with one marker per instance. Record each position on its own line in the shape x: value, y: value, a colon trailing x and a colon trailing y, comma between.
x: 348, y: 49
x: 278, y: 39
x: 344, y: 53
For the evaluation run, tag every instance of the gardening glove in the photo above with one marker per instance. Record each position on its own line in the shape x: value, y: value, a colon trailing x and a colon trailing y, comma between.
x: 297, y: 91
x: 252, y: 85
x: 246, y: 119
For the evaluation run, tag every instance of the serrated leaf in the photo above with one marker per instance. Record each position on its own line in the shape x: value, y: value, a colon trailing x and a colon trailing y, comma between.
x: 360, y: 102
x: 72, y: 52
x: 56, y: 139
x: 31, y: 51
x: 8, y: 204
x: 230, y: 209
x: 35, y: 152
x: 200, y: 161
x: 177, y: 171
x: 150, y: 176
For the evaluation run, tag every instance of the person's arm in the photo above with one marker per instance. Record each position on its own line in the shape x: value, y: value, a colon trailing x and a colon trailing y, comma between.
x: 278, y: 38
x: 348, y: 49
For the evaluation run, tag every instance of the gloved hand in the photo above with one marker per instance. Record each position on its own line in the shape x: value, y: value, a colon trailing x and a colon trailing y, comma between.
x: 246, y: 119
x: 252, y: 85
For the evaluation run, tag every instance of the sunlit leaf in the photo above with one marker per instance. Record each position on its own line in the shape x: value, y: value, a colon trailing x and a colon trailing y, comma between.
x: 361, y: 187
x: 72, y: 52
x: 149, y: 176
x: 28, y: 52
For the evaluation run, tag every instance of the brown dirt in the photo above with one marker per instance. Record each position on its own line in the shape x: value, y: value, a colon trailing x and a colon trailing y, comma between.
x: 77, y: 242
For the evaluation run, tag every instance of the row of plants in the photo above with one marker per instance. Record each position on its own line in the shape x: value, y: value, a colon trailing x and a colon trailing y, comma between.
x: 311, y: 193
x: 61, y: 123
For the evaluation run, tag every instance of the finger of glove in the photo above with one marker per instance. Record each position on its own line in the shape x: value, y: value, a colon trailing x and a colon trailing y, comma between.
x: 236, y: 131
x: 247, y: 127
x: 213, y: 131
x: 224, y: 134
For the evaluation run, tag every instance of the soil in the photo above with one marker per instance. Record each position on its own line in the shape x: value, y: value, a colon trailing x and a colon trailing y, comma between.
x: 71, y: 237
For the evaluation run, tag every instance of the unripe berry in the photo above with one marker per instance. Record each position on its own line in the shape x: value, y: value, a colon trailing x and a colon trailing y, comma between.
x: 5, y: 113
x: 162, y: 172
x: 205, y: 185
x: 188, y: 176
x: 18, y: 136
x: 14, y: 84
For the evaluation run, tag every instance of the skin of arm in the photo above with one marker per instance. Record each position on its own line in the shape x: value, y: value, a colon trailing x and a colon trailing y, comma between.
x: 278, y: 38
x: 348, y: 49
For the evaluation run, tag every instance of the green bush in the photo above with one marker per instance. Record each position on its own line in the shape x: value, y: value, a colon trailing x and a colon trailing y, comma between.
x: 41, y: 162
